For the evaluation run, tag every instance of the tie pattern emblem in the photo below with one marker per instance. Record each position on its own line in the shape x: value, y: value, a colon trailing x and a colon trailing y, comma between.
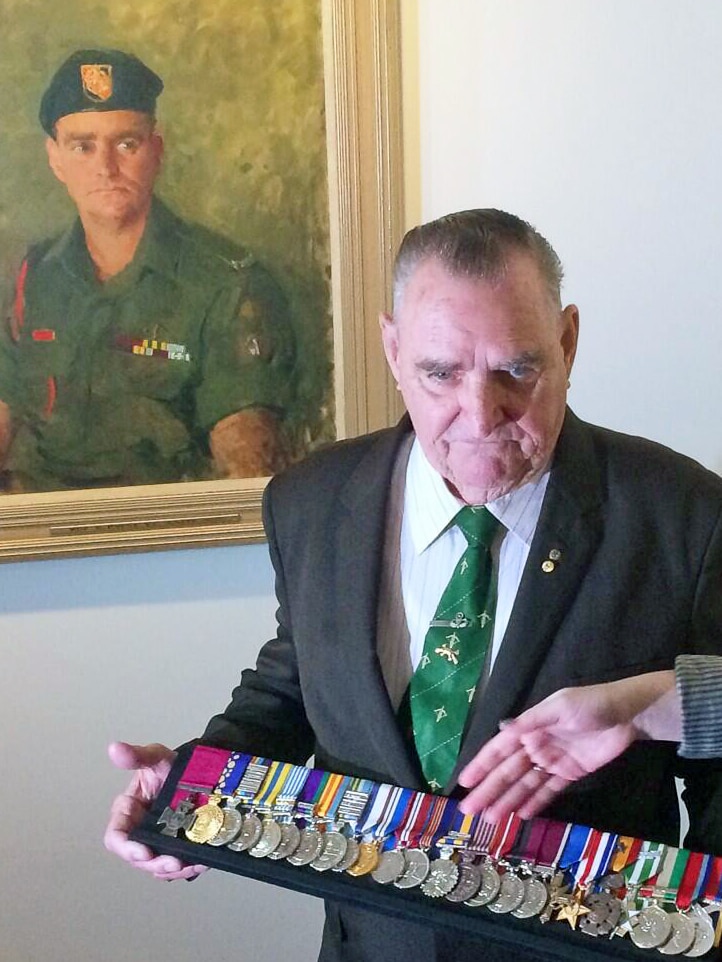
x: 443, y: 685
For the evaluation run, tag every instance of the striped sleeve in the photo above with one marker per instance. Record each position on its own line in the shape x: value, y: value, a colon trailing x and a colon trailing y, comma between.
x: 699, y: 683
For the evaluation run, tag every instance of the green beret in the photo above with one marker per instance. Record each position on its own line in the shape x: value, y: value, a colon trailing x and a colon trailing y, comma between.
x: 99, y: 80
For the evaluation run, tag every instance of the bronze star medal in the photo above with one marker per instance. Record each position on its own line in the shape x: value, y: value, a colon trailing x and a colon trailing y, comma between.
x: 574, y: 908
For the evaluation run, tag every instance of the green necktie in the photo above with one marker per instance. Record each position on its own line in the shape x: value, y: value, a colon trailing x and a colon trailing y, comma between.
x: 443, y: 685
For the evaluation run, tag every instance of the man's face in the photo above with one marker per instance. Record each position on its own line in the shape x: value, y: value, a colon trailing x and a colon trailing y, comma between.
x: 108, y: 162
x: 483, y: 368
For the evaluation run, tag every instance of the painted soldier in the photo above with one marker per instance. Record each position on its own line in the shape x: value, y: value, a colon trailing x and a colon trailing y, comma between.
x: 138, y: 348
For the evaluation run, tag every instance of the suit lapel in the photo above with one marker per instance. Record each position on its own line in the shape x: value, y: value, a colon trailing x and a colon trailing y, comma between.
x: 568, y: 531
x: 360, y: 543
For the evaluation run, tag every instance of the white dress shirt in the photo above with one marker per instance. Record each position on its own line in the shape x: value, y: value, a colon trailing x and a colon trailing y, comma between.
x: 430, y: 549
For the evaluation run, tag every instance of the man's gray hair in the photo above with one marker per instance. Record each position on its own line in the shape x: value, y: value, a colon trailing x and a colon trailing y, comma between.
x: 476, y: 244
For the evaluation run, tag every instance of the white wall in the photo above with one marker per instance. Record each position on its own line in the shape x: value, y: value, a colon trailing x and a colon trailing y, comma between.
x: 143, y: 648
x: 597, y: 121
x: 600, y: 123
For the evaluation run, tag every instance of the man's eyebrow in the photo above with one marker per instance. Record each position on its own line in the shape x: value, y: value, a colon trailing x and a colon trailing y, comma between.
x: 435, y: 364
x: 525, y: 358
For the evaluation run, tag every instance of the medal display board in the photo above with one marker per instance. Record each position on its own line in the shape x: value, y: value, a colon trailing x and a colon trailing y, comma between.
x: 550, y: 888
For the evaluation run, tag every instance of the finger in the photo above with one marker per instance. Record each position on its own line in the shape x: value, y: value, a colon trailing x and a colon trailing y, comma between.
x: 188, y: 872
x: 125, y: 755
x: 125, y: 813
x: 496, y: 783
x: 487, y: 761
x: 543, y: 796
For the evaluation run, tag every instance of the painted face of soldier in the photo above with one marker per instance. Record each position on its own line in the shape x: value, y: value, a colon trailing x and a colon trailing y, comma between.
x: 108, y: 161
x: 483, y: 368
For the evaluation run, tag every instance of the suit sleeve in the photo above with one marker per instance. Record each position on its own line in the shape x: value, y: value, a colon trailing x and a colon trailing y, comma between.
x: 703, y: 778
x: 266, y: 714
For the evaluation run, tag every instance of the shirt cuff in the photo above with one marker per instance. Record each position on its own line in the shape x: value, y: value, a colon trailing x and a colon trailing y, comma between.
x: 699, y: 684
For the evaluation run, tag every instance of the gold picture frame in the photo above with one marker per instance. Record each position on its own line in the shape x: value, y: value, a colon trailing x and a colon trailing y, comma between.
x: 364, y: 137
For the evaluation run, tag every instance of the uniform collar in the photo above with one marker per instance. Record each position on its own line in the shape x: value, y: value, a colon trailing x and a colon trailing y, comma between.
x: 429, y: 506
x: 158, y: 250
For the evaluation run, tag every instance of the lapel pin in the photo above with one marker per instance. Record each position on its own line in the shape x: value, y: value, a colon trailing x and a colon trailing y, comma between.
x: 550, y: 564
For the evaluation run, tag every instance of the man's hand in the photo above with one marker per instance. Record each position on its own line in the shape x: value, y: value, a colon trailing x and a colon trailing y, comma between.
x: 151, y: 764
x: 565, y: 737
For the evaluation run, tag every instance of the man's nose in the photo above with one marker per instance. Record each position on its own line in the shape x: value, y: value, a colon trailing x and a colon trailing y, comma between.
x: 108, y: 160
x: 484, y: 403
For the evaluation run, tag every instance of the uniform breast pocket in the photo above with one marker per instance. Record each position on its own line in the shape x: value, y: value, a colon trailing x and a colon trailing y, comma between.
x: 152, y: 368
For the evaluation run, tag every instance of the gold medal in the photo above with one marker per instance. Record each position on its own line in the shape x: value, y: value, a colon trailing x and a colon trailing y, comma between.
x: 368, y: 859
x: 208, y: 821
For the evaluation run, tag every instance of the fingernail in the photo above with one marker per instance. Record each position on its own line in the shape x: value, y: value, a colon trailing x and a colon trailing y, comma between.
x: 504, y: 723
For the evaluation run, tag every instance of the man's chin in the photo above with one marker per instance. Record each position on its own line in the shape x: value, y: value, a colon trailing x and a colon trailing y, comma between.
x: 481, y: 487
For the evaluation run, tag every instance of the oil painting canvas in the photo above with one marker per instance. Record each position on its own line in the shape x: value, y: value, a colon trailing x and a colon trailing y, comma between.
x: 164, y: 242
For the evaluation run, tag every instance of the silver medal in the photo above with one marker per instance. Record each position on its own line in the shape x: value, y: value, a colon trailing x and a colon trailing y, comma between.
x: 468, y: 884
x: 332, y: 851
x: 391, y: 867
x: 350, y: 856
x: 290, y: 838
x: 250, y: 833
x: 682, y: 937
x: 651, y: 928
x: 703, y: 933
x: 511, y: 894
x: 418, y: 866
x: 441, y: 879
x: 535, y: 899
x: 269, y: 841
x: 309, y: 847
x: 489, y: 889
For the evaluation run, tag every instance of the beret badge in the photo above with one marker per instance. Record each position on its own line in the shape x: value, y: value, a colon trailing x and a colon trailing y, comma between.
x: 97, y: 80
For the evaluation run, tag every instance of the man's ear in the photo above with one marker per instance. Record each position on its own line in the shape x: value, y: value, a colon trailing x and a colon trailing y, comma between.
x: 570, y: 334
x: 390, y: 339
x: 53, y: 151
x: 158, y: 147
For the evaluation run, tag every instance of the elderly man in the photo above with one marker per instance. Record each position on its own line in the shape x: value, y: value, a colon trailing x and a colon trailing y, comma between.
x: 138, y: 349
x: 599, y: 556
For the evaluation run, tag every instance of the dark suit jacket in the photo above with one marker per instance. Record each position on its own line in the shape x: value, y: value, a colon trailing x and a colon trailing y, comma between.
x: 639, y: 580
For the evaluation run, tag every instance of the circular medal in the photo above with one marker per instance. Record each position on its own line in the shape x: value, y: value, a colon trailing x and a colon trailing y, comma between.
x: 489, y: 888
x: 206, y: 824
x: 682, y: 937
x: 651, y: 928
x: 269, y: 841
x: 391, y: 867
x: 248, y: 836
x: 232, y: 824
x: 418, y: 866
x: 290, y: 838
x: 442, y: 878
x: 350, y: 857
x: 468, y: 884
x: 368, y: 859
x: 511, y: 894
x: 603, y: 916
x: 703, y: 933
x: 535, y: 899
x: 332, y: 851
x: 309, y: 847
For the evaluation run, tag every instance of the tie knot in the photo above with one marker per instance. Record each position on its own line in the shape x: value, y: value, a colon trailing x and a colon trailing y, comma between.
x: 477, y: 525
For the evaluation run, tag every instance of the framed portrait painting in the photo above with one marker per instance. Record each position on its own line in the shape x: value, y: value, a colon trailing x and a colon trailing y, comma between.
x: 190, y: 300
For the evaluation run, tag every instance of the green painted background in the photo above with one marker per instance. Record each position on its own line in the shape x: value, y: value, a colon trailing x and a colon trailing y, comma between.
x: 243, y: 121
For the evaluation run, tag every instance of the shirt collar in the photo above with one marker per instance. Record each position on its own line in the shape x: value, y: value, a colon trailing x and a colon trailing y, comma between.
x: 158, y: 250
x: 429, y: 506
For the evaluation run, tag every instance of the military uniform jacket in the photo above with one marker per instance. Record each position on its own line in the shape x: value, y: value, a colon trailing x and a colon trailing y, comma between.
x: 121, y: 382
x: 639, y: 580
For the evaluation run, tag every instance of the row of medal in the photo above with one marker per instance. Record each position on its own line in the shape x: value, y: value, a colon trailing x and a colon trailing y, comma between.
x: 604, y: 884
